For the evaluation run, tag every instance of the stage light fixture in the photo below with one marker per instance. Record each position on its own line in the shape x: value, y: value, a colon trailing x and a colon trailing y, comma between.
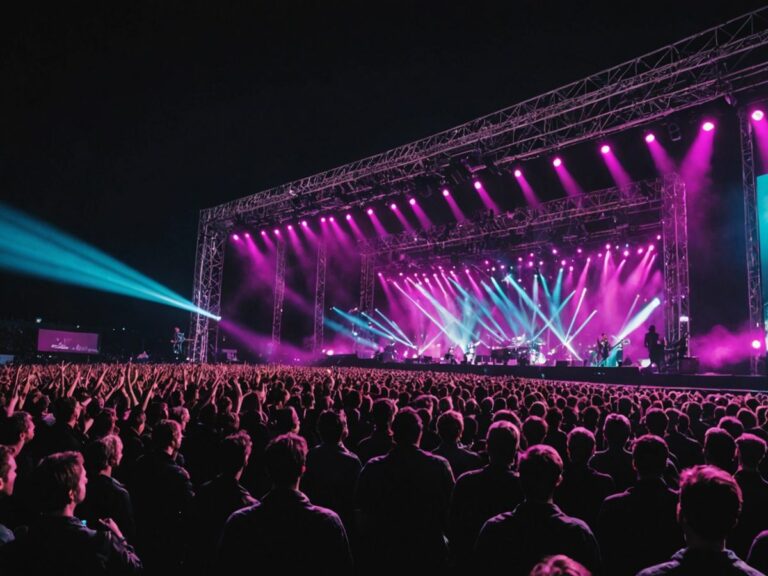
x: 412, y: 201
x: 478, y: 185
x: 557, y: 162
x: 247, y: 234
x: 650, y: 137
x: 518, y: 173
x: 756, y: 344
x: 446, y: 192
x: 605, y: 149
x: 263, y: 232
x: 290, y: 226
x: 369, y: 211
x: 758, y: 115
x: 331, y: 219
x: 235, y: 237
x: 348, y: 216
x: 277, y: 231
x: 393, y: 206
x: 304, y: 223
x: 708, y: 126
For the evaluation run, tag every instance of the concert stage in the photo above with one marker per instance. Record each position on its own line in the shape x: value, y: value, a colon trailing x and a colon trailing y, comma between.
x: 627, y: 376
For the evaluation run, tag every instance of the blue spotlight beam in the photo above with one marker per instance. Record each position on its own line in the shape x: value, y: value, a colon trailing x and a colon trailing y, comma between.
x: 428, y: 315
x: 31, y: 247
x: 505, y: 311
x: 556, y: 314
x: 575, y: 314
x: 393, y: 324
x: 388, y: 331
x: 639, y: 318
x: 343, y: 330
x: 357, y: 322
x: 446, y: 315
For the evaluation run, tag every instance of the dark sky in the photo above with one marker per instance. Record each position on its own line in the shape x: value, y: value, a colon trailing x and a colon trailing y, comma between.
x: 120, y: 120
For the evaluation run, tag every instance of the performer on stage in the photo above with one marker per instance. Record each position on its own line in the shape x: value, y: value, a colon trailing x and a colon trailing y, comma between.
x: 655, y: 346
x: 603, y: 349
x: 177, y: 344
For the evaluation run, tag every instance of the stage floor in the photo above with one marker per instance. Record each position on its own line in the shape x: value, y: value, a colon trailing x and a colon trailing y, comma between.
x: 629, y: 376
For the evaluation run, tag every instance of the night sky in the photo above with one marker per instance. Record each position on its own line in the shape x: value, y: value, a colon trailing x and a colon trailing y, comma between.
x: 121, y: 120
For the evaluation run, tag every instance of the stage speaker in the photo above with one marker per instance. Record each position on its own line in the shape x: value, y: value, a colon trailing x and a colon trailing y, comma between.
x: 689, y: 365
x: 562, y: 363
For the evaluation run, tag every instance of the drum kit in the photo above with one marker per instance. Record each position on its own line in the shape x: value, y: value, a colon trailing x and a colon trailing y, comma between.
x: 526, y: 351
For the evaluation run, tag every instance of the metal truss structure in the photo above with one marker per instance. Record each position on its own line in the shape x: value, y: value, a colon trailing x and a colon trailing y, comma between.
x: 749, y: 185
x: 209, y: 271
x: 722, y: 61
x: 277, y: 304
x: 677, y: 293
x: 318, y: 312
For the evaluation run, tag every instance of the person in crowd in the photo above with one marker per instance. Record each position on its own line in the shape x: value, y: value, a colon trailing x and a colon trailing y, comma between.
x: 57, y: 541
x: 616, y: 460
x: 450, y: 427
x: 106, y: 497
x: 514, y: 542
x: 482, y: 494
x: 7, y: 481
x: 163, y: 501
x: 754, y: 491
x: 380, y: 441
x: 403, y: 500
x: 332, y: 470
x: 720, y: 449
x: 708, y: 509
x: 559, y: 565
x: 285, y: 533
x: 637, y: 527
x: 583, y: 489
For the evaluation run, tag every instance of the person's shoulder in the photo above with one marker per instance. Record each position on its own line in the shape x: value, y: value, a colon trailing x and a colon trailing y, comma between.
x: 500, y: 521
x: 244, y: 514
x: 470, y: 478
x: 670, y: 567
x: 616, y: 500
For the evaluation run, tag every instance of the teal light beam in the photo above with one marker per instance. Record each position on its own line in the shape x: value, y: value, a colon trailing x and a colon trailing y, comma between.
x: 393, y: 324
x: 575, y: 314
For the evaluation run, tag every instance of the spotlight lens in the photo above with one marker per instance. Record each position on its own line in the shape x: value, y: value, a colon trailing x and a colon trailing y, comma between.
x: 650, y: 138
x: 349, y: 216
x: 518, y: 173
x: 322, y: 219
x: 235, y: 237
x: 412, y: 201
x: 277, y: 231
x: 247, y: 234
x: 263, y: 232
x: 708, y: 126
x: 758, y: 115
x: 393, y: 206
x: 331, y: 219
x: 605, y: 149
x: 304, y: 223
x: 478, y: 184
x: 557, y: 162
x: 446, y: 192
x: 756, y: 344
x: 369, y: 211
x: 290, y: 226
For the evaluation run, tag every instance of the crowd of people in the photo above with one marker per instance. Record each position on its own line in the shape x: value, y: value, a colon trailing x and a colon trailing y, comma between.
x: 198, y: 469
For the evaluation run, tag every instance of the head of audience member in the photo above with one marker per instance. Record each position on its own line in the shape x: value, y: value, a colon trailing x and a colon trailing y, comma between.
x: 103, y: 455
x: 656, y: 422
x: 720, y: 449
x: 616, y: 431
x: 383, y: 414
x: 66, y: 411
x: 234, y: 452
x: 167, y: 436
x: 181, y: 415
x: 7, y: 470
x: 60, y: 482
x: 534, y: 430
x: 19, y: 430
x: 559, y: 565
x: 502, y: 442
x: 580, y: 445
x: 137, y: 420
x: 732, y: 425
x: 332, y: 427
x: 751, y: 451
x: 450, y: 426
x: 649, y: 456
x: 286, y: 420
x: 285, y: 460
x: 104, y: 423
x: 541, y: 470
x: 709, y: 506
x: 406, y: 428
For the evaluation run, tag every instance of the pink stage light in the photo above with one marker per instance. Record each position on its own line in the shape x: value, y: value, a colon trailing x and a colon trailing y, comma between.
x: 626, y: 253
x: 247, y: 234
x: 650, y: 248
x: 369, y: 211
x: 519, y: 258
x: 557, y: 162
x: 322, y: 219
x: 758, y: 115
x: 349, y: 216
x: 530, y: 264
x: 607, y: 246
x: 570, y: 268
x: 649, y: 138
x: 605, y: 149
x: 393, y: 206
x: 478, y: 184
x: 579, y: 250
x: 263, y: 232
x: 756, y: 344
x: 708, y: 126
x: 658, y: 236
x: 554, y: 250
x: 290, y: 226
x: 518, y: 173
x: 639, y: 250
x: 331, y: 219
x: 304, y: 223
x: 235, y: 237
x: 277, y: 231
x: 563, y: 263
x: 446, y: 192
x: 412, y: 201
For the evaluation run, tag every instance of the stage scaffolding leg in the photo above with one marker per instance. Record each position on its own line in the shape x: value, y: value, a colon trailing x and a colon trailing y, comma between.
x: 277, y: 307
x: 367, y: 287
x: 206, y: 293
x: 754, y: 283
x: 674, y: 225
x: 319, y: 310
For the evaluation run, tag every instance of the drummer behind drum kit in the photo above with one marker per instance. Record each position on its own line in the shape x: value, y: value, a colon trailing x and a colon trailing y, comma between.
x: 525, y: 351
